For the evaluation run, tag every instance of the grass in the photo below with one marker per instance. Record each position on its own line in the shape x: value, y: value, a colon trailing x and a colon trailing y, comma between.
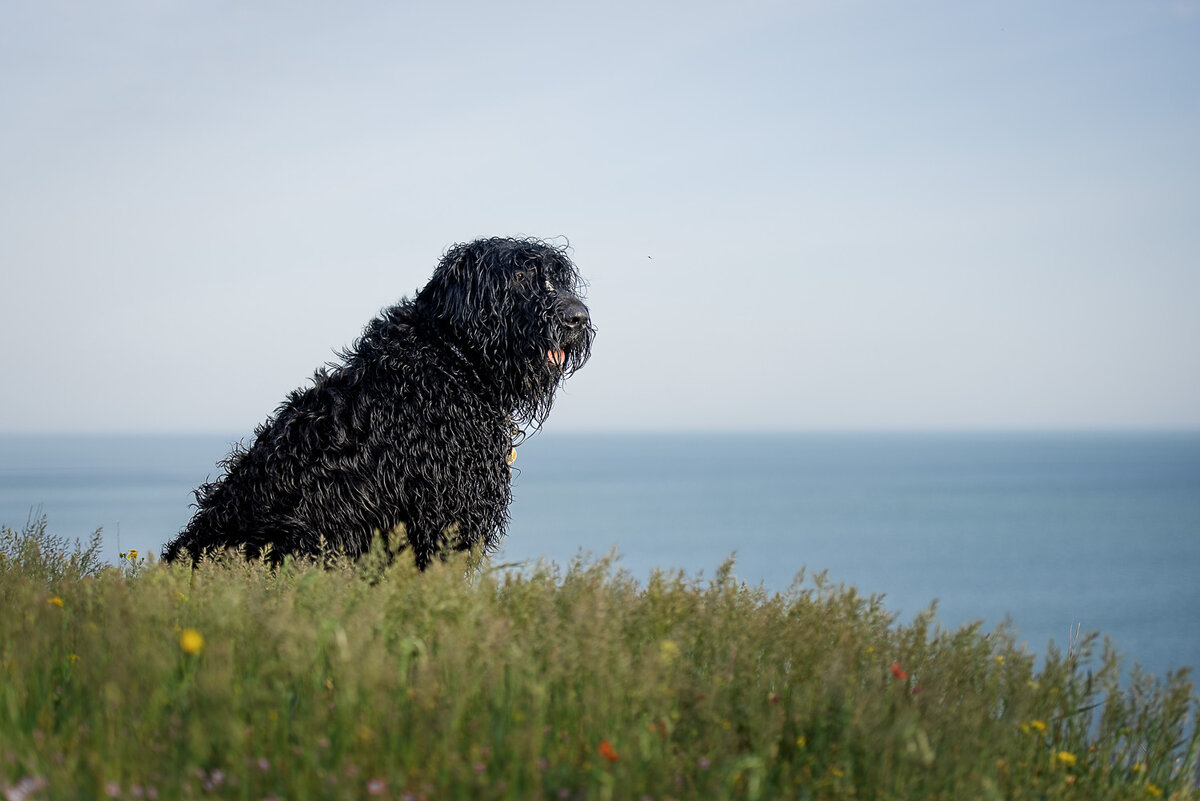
x: 469, y: 681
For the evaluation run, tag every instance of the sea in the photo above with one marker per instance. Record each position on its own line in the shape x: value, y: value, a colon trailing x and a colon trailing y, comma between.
x: 1050, y: 533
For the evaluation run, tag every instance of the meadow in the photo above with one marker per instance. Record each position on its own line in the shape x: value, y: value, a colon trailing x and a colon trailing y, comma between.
x: 482, y: 681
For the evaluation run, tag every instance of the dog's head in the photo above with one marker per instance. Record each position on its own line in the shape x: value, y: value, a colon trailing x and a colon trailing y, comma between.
x: 514, y: 308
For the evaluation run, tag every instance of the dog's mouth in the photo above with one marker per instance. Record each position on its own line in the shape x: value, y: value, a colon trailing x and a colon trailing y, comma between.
x: 556, y: 357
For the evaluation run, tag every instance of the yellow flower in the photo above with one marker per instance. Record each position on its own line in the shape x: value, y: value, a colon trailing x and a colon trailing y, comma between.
x: 191, y: 641
x: 1065, y: 758
x: 56, y: 601
x: 133, y: 555
x: 668, y: 650
x: 1040, y: 725
x: 72, y: 658
x: 1153, y: 790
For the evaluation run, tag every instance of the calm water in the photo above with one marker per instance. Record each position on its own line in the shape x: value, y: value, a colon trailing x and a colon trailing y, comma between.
x: 1048, y: 529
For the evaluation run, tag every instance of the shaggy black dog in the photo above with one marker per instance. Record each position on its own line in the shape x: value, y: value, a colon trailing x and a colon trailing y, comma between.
x: 415, y: 431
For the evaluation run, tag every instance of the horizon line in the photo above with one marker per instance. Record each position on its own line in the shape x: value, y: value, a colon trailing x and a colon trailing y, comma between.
x: 669, y: 431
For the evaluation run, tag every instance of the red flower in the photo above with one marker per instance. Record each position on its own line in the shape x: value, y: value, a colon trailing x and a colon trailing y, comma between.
x: 608, y: 752
x: 898, y: 672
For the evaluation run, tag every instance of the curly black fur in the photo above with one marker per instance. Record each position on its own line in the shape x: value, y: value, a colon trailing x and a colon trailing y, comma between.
x: 415, y: 427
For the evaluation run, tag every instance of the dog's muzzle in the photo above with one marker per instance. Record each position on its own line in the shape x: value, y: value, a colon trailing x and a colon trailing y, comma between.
x: 574, y: 324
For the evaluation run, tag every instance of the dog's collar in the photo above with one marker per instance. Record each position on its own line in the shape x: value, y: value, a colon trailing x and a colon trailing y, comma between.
x: 518, y: 435
x: 462, y: 357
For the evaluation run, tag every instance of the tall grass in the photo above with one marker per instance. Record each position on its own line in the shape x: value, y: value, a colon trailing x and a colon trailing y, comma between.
x: 360, y: 681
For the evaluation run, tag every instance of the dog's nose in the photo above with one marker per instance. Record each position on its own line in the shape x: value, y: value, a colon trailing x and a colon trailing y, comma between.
x: 575, y: 315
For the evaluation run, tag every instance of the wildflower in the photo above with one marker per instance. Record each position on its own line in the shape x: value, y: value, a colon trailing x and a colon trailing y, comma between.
x: 1039, y: 726
x: 191, y: 641
x: 703, y: 763
x: 1000, y: 660
x: 608, y: 752
x: 480, y: 767
x: 773, y: 699
x: 72, y: 658
x: 1154, y: 791
x: 133, y: 555
x: 376, y: 787
x: 112, y: 790
x: 668, y: 650
x: 801, y: 741
x: 25, y: 788
x: 56, y: 601
x: 1066, y: 758
x: 264, y: 764
x: 898, y: 672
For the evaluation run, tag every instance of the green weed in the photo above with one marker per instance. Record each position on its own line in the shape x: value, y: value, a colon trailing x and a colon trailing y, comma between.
x: 235, y: 680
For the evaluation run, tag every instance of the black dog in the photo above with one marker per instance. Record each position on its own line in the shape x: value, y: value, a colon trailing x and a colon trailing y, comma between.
x: 415, y: 431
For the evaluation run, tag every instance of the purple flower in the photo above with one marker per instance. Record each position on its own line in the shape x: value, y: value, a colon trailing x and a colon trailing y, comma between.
x: 376, y: 787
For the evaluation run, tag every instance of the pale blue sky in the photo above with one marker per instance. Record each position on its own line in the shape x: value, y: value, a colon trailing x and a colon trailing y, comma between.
x: 827, y: 214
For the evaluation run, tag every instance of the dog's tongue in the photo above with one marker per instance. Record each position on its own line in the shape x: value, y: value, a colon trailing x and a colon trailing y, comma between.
x: 557, y: 357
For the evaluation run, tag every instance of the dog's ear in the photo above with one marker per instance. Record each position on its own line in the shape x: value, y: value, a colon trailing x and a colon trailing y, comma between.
x: 463, y: 287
